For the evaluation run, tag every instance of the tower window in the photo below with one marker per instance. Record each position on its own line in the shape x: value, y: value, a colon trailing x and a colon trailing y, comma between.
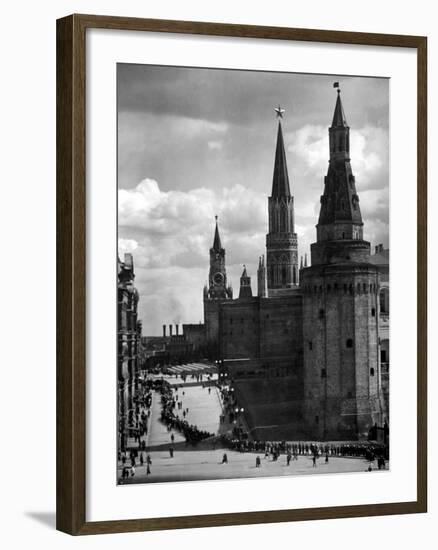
x: 349, y: 343
x: 310, y: 345
x: 323, y: 373
x: 384, y: 301
x: 316, y: 419
x: 373, y: 311
x: 321, y: 314
x: 371, y: 371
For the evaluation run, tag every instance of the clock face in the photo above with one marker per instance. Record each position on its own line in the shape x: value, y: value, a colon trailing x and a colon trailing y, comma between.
x: 218, y: 278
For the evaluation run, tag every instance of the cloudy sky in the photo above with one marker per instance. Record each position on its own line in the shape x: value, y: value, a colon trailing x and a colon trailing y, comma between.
x: 193, y: 143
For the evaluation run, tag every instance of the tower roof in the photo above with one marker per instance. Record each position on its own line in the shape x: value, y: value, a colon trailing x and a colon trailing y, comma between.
x: 340, y: 201
x: 244, y: 273
x: 217, y: 245
x: 280, y: 182
x: 339, y: 119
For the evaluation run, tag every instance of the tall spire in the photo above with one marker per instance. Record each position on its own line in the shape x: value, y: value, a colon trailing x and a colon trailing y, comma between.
x: 281, y: 241
x: 339, y: 119
x: 340, y: 227
x: 280, y: 181
x: 217, y: 240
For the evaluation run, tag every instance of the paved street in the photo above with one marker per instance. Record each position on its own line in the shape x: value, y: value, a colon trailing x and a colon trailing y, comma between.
x: 205, y: 460
x: 189, y: 465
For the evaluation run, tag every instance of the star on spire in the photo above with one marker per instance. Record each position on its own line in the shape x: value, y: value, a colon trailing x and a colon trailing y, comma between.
x: 279, y: 111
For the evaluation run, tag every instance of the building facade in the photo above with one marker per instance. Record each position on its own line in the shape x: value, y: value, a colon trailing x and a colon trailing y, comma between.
x: 129, y: 344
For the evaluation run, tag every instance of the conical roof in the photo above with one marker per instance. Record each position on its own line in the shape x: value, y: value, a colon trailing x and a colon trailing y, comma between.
x: 339, y: 119
x: 217, y: 240
x: 280, y: 182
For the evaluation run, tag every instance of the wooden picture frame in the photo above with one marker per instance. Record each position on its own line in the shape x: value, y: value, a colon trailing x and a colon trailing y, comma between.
x: 71, y: 274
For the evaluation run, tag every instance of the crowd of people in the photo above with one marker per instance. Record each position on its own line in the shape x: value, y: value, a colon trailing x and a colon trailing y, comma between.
x: 275, y: 448
x: 169, y: 403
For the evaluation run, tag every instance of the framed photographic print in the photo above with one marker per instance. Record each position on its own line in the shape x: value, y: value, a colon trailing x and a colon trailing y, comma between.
x: 241, y: 288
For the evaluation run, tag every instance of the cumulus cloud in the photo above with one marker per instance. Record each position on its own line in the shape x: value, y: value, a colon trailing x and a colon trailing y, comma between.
x: 173, y: 234
x: 368, y: 147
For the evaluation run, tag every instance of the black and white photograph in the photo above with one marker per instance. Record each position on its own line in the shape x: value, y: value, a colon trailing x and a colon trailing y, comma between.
x: 252, y: 274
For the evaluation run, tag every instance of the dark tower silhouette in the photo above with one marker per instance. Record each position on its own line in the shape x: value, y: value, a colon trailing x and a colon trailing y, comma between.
x: 245, y: 285
x: 340, y: 226
x: 281, y: 241
x: 261, y: 278
x: 342, y: 383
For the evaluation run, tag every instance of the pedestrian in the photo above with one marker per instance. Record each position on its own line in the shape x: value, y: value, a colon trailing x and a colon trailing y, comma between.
x: 326, y: 457
x: 314, y: 461
x: 172, y: 438
x: 225, y: 459
x: 148, y: 470
x: 171, y: 452
x: 258, y: 462
x: 288, y: 458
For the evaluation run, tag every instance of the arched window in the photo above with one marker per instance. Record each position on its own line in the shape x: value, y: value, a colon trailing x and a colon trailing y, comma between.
x: 349, y: 343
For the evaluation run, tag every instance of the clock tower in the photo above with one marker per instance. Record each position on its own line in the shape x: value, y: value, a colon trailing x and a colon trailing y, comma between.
x: 215, y: 292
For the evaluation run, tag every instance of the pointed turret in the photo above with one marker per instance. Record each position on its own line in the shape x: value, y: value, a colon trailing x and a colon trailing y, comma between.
x: 280, y: 181
x: 217, y: 246
x: 339, y: 119
x: 245, y: 285
x: 261, y: 278
x: 340, y: 219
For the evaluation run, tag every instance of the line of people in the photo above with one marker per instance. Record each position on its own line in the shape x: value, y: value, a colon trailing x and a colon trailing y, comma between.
x: 275, y: 448
x: 191, y: 432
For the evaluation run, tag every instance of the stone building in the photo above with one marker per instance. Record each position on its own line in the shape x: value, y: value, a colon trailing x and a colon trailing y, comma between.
x: 129, y: 342
x: 342, y: 381
x: 308, y: 354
